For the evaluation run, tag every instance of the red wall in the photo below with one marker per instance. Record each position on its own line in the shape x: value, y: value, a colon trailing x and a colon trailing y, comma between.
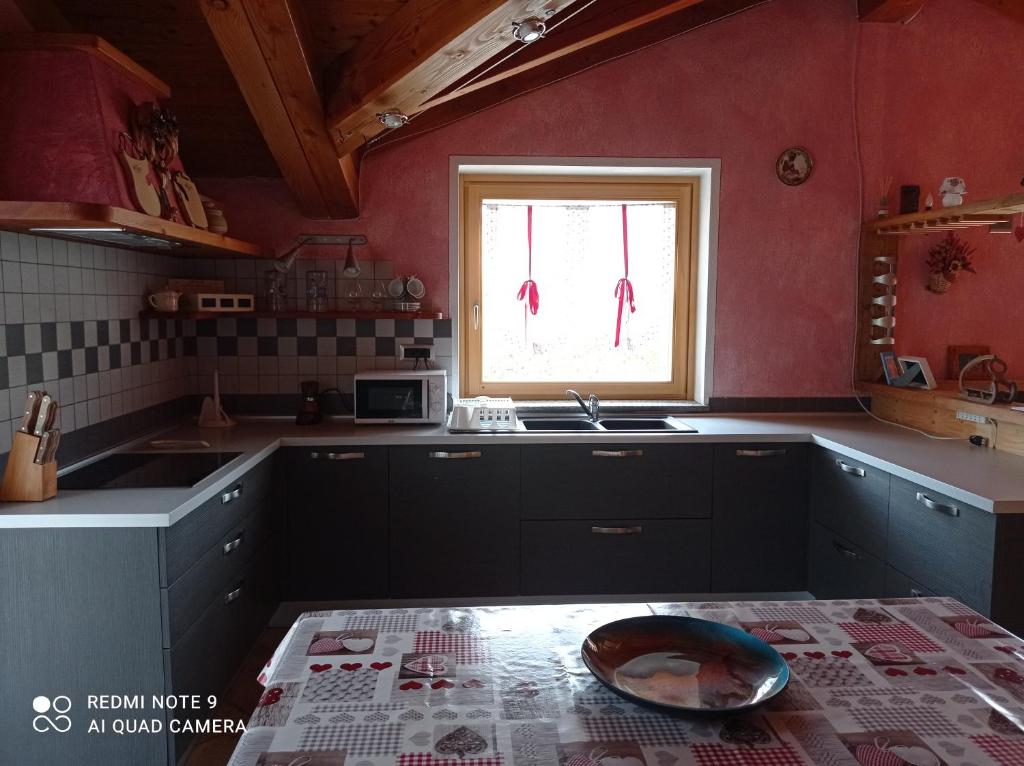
x: 944, y: 96
x: 741, y: 90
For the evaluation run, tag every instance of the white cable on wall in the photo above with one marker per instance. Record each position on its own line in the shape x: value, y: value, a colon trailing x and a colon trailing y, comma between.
x: 855, y: 93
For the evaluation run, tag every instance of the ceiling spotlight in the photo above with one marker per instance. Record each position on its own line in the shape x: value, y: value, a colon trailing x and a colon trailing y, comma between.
x: 392, y: 120
x: 529, y: 30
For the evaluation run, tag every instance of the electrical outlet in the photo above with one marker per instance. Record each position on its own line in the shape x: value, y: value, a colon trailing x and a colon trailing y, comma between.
x: 970, y: 417
x: 414, y: 351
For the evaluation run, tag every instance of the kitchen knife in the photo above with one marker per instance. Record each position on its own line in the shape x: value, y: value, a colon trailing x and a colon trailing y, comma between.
x: 31, y: 410
x: 44, y: 414
x: 51, y: 447
x: 51, y: 415
x: 44, y: 443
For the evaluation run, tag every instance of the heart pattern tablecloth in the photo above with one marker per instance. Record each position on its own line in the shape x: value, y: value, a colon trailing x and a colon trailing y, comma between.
x: 874, y: 682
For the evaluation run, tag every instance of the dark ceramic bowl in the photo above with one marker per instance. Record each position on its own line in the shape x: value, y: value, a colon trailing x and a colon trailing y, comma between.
x: 685, y: 664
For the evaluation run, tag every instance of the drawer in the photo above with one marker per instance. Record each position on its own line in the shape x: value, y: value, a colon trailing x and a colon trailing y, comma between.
x: 453, y: 521
x: 840, y: 568
x: 642, y: 481
x: 616, y: 556
x: 187, y: 541
x: 944, y: 544
x: 760, y: 507
x: 211, y: 651
x: 219, y: 566
x: 851, y: 498
x: 898, y: 585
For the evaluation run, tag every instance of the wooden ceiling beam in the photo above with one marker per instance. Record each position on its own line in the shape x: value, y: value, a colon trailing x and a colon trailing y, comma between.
x: 593, y: 25
x: 681, y: 22
x: 419, y: 51
x: 889, y: 11
x: 266, y: 46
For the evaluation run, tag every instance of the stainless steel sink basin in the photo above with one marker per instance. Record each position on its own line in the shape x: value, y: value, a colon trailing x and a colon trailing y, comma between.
x: 633, y: 425
x: 638, y: 424
x: 556, y: 424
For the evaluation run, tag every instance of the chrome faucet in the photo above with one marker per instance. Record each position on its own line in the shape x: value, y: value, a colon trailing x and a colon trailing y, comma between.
x: 593, y: 410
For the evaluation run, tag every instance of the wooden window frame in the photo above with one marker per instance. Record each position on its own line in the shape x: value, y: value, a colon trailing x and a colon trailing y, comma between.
x: 684, y: 191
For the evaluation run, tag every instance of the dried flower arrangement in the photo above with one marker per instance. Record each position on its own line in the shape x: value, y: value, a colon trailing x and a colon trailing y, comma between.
x: 946, y: 260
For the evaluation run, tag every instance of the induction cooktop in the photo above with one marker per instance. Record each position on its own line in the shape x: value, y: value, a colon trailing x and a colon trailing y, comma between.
x: 134, y: 470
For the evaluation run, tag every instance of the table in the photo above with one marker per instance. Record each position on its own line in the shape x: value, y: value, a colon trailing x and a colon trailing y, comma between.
x: 874, y: 682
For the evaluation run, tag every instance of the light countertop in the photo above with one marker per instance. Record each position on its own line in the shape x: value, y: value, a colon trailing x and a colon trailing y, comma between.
x: 985, y: 478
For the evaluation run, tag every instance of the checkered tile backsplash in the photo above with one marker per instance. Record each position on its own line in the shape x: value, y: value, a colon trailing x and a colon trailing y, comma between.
x: 70, y: 324
x: 271, y: 356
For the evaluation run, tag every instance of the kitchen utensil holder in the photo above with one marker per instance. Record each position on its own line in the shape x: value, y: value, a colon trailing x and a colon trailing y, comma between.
x: 25, y: 480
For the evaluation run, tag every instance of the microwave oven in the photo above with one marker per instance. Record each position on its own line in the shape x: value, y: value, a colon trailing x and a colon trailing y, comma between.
x: 414, y: 396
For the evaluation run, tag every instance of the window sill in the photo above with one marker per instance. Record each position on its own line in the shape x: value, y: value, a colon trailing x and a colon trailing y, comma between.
x: 611, y: 407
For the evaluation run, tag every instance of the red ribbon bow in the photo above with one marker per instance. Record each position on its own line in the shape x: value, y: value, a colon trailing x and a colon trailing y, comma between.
x: 529, y: 287
x: 624, y: 288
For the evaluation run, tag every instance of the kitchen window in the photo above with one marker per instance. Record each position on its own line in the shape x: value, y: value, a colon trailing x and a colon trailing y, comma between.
x: 582, y: 282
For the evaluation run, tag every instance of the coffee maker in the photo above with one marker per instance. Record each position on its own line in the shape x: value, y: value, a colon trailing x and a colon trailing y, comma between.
x: 309, y: 412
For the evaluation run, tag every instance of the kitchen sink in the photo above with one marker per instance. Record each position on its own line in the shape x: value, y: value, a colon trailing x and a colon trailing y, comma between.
x: 556, y: 424
x: 634, y: 425
x: 640, y: 424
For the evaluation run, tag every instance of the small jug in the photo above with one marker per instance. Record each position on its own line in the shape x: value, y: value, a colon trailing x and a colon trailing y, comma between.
x: 164, y: 300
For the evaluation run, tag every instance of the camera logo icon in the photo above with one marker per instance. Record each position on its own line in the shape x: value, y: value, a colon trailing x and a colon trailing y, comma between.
x: 51, y: 714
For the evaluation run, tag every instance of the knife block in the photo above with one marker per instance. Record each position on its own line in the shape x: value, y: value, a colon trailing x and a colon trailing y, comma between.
x: 25, y: 480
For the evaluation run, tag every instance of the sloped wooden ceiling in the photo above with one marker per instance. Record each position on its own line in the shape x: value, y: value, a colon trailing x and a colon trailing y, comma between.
x: 294, y: 87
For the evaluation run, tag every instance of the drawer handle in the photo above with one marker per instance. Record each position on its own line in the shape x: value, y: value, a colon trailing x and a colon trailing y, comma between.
x: 454, y: 455
x: 760, y: 452
x: 617, y: 453
x: 851, y: 469
x: 231, y: 494
x: 338, y: 455
x: 233, y: 544
x: 233, y: 595
x: 927, y: 502
x: 616, y: 530
x: 846, y: 551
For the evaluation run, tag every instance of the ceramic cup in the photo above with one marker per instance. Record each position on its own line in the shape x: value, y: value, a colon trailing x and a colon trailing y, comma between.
x: 165, y: 300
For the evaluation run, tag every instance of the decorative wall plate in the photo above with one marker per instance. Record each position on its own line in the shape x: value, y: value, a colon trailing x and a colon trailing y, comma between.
x: 794, y: 166
x: 685, y: 664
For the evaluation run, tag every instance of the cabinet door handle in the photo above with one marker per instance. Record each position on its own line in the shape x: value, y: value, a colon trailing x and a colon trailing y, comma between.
x: 760, y: 452
x: 845, y: 551
x: 454, y: 455
x: 617, y: 453
x: 851, y: 469
x: 616, y: 530
x: 338, y: 455
x: 927, y: 502
x: 916, y: 593
x: 231, y: 494
x: 233, y: 595
x: 233, y: 544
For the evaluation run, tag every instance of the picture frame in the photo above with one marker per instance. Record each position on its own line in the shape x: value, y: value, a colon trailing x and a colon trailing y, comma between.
x: 891, y: 367
x: 917, y: 371
x: 958, y: 357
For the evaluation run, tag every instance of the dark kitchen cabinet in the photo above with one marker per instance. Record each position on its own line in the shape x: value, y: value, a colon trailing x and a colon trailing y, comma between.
x: 759, y: 538
x: 850, y: 498
x: 840, y: 568
x: 454, y: 521
x: 151, y: 611
x: 622, y: 556
x: 337, y: 523
x: 614, y: 481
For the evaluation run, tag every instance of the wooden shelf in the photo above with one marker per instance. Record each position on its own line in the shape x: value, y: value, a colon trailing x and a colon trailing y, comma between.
x: 993, y: 212
x: 292, y: 314
x: 79, y: 221
x: 946, y: 398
